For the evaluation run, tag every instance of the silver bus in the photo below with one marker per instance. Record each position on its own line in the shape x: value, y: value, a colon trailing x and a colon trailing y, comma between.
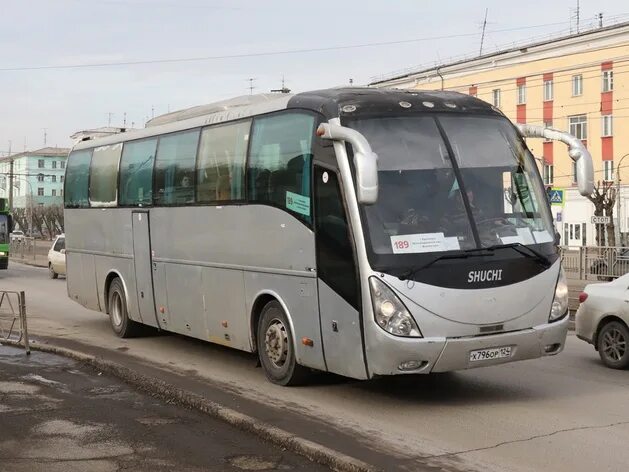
x: 356, y: 231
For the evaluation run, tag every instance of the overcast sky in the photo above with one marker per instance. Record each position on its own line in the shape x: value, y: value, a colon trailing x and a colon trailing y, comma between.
x: 45, y: 33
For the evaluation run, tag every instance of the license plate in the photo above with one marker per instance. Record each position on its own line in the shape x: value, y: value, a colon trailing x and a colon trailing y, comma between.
x: 489, y: 354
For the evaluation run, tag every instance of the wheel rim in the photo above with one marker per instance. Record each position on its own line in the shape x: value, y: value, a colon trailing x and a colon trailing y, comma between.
x: 116, y: 309
x: 276, y: 343
x: 614, y: 344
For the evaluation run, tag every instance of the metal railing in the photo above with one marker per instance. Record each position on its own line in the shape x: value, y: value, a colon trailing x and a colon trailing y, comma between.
x: 594, y: 262
x: 29, y: 249
x: 13, y: 325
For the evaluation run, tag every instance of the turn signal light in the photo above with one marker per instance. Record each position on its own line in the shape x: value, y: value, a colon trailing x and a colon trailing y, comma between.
x: 583, y: 297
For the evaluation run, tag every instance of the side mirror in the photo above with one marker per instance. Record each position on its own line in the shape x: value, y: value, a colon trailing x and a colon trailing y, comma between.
x: 576, y: 150
x: 63, y: 251
x: 365, y: 160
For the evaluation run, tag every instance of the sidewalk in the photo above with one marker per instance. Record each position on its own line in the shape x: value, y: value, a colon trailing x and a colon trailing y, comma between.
x: 59, y: 416
x: 38, y: 260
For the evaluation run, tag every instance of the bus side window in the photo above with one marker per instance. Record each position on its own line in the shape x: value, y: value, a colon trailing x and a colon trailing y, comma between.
x: 175, y: 168
x: 136, y: 172
x: 220, y: 167
x: 77, y: 179
x: 104, y: 175
x: 280, y: 160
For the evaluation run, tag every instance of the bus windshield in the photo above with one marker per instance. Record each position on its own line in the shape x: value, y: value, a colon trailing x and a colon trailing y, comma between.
x: 449, y: 182
x: 4, y: 229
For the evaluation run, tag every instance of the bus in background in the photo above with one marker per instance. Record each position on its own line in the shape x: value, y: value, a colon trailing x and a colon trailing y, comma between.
x: 364, y: 232
x: 5, y: 231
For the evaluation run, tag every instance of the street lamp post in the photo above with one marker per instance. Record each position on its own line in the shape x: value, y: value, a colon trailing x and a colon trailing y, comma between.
x: 618, y: 197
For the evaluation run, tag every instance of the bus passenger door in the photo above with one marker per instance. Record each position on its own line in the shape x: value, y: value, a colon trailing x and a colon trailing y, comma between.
x: 339, y: 294
x: 142, y: 264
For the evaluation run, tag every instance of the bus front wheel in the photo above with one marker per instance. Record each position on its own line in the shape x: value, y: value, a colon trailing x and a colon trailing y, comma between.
x: 122, y: 325
x: 276, y: 347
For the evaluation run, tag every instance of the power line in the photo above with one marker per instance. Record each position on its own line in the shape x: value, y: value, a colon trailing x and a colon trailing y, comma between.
x: 265, y: 53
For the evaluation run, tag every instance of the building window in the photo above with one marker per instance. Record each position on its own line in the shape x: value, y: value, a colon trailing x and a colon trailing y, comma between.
x: 61, y: 179
x: 608, y: 80
x: 608, y: 170
x: 41, y: 164
x: 54, y: 178
x: 548, y: 174
x: 63, y: 164
x: 607, y: 123
x: 40, y: 177
x: 54, y: 164
x: 40, y: 191
x: 54, y: 192
x: 548, y: 90
x: 577, y: 85
x: 496, y: 97
x: 574, y: 172
x: 61, y: 192
x: 521, y: 94
x: 578, y: 126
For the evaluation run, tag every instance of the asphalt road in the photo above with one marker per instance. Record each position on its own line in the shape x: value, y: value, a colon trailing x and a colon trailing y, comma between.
x: 59, y: 416
x: 565, y: 413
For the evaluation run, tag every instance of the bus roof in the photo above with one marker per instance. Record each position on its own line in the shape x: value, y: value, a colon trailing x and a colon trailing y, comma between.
x: 332, y: 103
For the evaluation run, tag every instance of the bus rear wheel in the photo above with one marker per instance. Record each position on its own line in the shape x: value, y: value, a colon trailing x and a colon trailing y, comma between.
x: 122, y: 325
x: 276, y: 347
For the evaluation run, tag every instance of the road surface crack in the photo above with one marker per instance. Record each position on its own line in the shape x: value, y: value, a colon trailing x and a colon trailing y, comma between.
x: 531, y: 438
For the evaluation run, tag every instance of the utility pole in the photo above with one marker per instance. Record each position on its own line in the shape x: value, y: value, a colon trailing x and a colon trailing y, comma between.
x: 578, y: 15
x: 124, y: 120
x: 619, y: 198
x: 45, y: 135
x: 10, y: 179
x: 109, y: 115
x: 600, y: 19
x: 251, y: 86
x: 482, y: 38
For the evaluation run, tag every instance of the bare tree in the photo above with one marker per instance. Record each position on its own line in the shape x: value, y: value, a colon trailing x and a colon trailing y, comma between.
x: 20, y: 217
x: 49, y: 220
x: 38, y: 220
x: 604, y: 199
x: 57, y: 211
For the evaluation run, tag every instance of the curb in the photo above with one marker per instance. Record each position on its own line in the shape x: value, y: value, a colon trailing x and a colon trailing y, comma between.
x: 168, y: 392
x: 28, y: 263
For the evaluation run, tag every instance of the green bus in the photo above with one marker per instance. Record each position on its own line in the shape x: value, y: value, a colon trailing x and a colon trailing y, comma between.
x: 5, y: 230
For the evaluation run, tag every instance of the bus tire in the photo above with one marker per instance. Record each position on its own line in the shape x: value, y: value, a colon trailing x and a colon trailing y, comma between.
x: 122, y: 325
x: 51, y: 272
x: 276, y: 347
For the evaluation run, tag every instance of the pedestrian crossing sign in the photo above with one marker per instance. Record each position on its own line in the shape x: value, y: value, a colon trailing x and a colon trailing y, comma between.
x: 555, y: 196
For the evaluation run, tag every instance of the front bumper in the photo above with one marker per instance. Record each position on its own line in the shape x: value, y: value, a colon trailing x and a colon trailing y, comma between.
x: 448, y: 354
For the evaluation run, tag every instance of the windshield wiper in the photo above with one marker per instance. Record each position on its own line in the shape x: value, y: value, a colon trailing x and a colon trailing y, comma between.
x: 483, y: 251
x: 524, y: 250
x: 460, y: 255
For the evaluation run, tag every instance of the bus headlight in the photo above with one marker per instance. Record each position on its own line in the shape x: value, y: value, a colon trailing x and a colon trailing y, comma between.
x: 560, y: 302
x: 389, y: 311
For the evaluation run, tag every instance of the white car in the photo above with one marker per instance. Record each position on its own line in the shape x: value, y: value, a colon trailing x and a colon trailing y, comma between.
x: 57, y: 257
x: 17, y: 235
x: 603, y: 319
